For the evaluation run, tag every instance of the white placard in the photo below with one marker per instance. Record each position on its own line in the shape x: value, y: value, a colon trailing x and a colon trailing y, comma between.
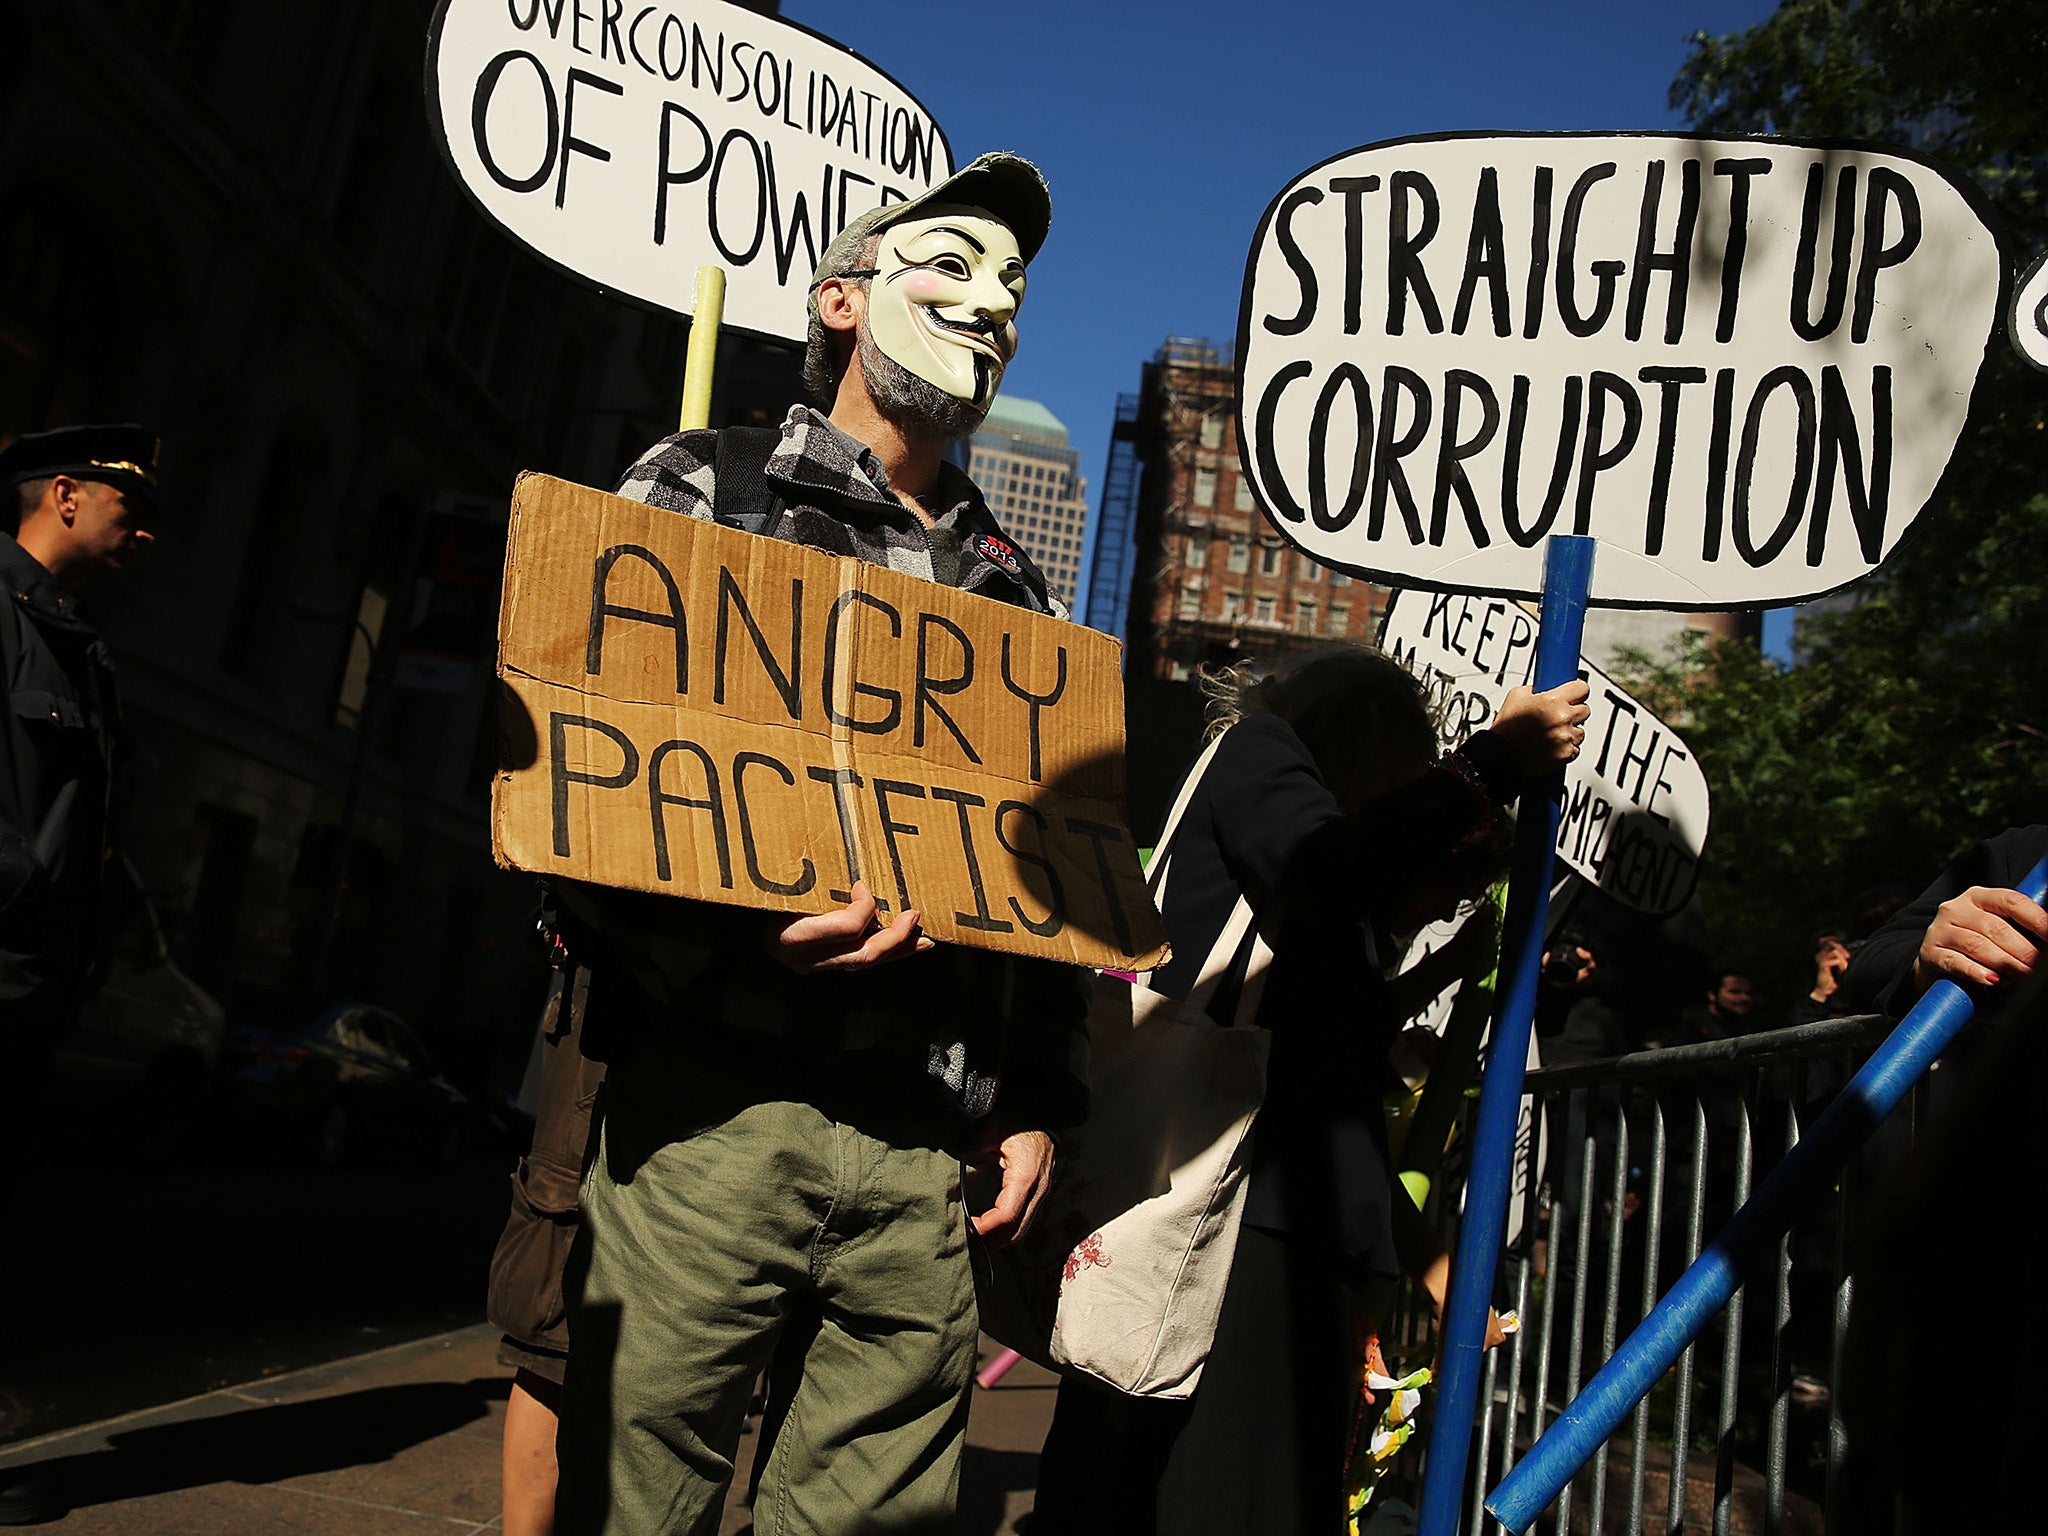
x: 1742, y: 365
x: 1635, y: 803
x: 1531, y: 1163
x: 2027, y: 325
x: 631, y: 143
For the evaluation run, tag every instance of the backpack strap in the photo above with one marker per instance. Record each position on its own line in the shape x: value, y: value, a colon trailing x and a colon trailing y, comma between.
x: 746, y: 500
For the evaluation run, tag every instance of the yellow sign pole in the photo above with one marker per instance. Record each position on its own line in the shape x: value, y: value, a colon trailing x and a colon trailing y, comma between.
x: 702, y: 359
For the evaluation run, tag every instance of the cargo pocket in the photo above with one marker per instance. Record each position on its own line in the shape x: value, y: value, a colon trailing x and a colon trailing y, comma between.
x: 525, y: 1300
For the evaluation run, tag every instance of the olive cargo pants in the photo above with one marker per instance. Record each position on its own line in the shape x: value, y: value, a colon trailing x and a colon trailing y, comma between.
x: 704, y: 1219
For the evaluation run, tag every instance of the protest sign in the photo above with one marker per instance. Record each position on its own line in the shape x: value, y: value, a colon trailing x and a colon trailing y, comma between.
x: 703, y: 712
x: 631, y: 143
x: 1742, y: 365
x: 2028, y: 323
x: 1635, y: 801
x: 1456, y: 1060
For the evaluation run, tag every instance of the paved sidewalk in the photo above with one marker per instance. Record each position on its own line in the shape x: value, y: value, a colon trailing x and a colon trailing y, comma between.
x: 405, y: 1440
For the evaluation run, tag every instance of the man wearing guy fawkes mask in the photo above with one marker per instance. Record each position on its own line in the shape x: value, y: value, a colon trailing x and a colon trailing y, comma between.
x: 789, y: 1102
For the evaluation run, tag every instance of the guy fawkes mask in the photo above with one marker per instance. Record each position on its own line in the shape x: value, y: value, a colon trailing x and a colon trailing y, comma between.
x: 944, y: 299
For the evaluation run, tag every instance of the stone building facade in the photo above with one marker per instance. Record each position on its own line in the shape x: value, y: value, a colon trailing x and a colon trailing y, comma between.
x: 1022, y: 463
x: 230, y: 221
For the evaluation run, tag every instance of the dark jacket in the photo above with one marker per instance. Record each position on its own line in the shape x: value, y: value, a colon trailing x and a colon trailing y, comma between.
x: 57, y: 731
x: 1879, y: 979
x: 1262, y: 823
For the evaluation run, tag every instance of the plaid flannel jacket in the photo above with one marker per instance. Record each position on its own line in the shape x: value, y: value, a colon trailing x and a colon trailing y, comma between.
x: 990, y: 1032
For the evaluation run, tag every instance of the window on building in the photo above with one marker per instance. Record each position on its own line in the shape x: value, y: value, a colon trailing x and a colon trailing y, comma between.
x: 259, y: 614
x: 1304, y: 618
x: 1205, y: 487
x: 1244, y: 501
x: 364, y: 201
x: 1190, y: 601
x: 1240, y: 552
x: 1339, y: 579
x: 1198, y: 550
x: 1340, y: 618
x: 1262, y: 610
x: 1212, y: 430
x: 1309, y: 569
x: 1233, y: 607
x: 1272, y: 558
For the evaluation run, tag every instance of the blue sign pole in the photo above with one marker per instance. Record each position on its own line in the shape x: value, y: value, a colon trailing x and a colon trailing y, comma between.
x: 1567, y: 581
x: 1748, y: 1239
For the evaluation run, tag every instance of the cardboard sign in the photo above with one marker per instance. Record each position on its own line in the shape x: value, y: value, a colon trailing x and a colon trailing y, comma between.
x: 702, y: 712
x: 633, y: 143
x: 1635, y: 804
x: 2028, y: 323
x: 1742, y: 365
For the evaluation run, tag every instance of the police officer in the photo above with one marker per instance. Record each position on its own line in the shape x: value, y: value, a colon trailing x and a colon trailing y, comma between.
x: 83, y: 500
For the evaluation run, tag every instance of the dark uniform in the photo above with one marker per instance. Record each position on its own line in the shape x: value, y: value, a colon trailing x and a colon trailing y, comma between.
x: 56, y: 757
x: 57, y: 732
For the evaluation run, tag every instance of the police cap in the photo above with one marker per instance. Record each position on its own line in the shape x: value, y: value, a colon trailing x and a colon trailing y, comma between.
x: 121, y: 456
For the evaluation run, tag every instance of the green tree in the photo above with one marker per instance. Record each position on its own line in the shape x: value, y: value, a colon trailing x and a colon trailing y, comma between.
x: 1917, y: 721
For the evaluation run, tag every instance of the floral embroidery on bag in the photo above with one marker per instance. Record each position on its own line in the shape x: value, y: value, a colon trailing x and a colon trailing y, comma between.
x: 1087, y: 1253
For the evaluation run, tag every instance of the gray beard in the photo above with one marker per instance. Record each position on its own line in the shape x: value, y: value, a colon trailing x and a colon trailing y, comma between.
x: 915, y: 404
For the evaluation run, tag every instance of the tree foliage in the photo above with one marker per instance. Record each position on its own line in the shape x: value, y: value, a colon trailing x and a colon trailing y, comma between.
x: 1917, y: 720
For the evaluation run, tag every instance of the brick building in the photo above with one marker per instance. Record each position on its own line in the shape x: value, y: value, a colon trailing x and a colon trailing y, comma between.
x: 1212, y: 580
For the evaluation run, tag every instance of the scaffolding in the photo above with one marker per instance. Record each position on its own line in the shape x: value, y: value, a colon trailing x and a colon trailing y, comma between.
x: 1110, y: 549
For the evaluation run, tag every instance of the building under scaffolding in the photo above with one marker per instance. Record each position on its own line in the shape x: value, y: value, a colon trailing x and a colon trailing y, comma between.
x: 1212, y: 581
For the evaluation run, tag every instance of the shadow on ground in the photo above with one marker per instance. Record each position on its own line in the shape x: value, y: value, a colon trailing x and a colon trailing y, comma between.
x: 268, y: 1445
x: 987, y: 1479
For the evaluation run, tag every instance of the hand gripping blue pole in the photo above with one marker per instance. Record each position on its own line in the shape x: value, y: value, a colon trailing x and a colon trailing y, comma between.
x: 1749, y: 1238
x: 1567, y: 579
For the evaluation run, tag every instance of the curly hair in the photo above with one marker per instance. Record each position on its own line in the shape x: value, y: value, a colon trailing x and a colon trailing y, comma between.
x: 1347, y: 703
x: 1355, y: 707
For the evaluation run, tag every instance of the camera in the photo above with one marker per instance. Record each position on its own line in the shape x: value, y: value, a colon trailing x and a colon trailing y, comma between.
x: 1561, y: 969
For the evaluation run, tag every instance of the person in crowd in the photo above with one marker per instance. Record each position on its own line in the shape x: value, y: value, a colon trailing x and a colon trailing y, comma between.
x: 1576, y: 1016
x: 1327, y: 806
x: 1914, y: 1467
x: 1824, y: 1000
x: 1729, y: 1009
x: 1969, y: 926
x: 525, y: 1300
x: 1804, y: 1087
x: 85, y: 501
x: 788, y: 1102
x: 1581, y: 991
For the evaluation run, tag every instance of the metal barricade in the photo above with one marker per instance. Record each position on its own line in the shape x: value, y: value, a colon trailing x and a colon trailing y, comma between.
x: 1648, y: 1154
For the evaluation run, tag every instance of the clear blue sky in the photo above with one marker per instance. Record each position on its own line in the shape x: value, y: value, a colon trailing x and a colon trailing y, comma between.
x: 1165, y: 129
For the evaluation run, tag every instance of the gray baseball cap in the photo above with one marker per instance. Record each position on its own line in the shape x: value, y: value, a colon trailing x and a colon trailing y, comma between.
x: 1008, y: 186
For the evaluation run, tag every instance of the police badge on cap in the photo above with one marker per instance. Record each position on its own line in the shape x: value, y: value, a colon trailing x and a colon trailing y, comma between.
x: 121, y: 456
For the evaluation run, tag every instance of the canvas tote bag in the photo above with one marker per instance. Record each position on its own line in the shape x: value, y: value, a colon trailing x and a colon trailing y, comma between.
x: 1121, y: 1277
